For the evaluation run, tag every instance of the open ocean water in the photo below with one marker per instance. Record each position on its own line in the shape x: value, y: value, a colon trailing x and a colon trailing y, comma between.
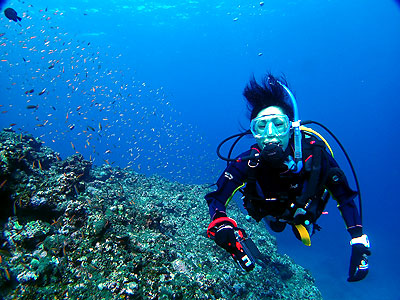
x: 156, y: 85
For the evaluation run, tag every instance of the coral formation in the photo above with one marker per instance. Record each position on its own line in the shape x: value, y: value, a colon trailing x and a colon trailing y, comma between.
x: 71, y: 230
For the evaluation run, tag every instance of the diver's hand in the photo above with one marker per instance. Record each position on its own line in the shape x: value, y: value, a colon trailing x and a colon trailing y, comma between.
x: 221, y: 230
x: 359, y: 258
x: 227, y: 235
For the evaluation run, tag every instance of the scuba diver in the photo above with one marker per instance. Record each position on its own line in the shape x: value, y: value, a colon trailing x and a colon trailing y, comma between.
x: 286, y: 178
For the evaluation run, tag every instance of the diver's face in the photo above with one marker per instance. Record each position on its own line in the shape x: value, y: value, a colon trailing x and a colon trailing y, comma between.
x: 271, y: 126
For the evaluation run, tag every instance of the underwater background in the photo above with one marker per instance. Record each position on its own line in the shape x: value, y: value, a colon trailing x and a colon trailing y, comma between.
x: 155, y: 86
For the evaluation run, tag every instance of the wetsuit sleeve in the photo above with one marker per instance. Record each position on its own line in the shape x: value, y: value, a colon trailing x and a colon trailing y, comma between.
x: 233, y: 176
x: 339, y: 188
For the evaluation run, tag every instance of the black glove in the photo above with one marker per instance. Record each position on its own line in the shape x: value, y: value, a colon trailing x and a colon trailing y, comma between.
x: 225, y: 233
x: 359, y: 258
x: 221, y: 230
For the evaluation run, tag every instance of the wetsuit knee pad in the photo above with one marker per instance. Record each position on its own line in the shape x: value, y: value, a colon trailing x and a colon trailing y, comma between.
x: 275, y: 225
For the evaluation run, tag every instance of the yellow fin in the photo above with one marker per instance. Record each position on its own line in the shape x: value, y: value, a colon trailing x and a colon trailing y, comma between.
x: 305, y: 237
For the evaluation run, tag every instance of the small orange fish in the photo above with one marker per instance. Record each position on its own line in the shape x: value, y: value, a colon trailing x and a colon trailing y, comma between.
x: 3, y: 183
x: 40, y: 165
x: 15, y: 208
x: 7, y: 273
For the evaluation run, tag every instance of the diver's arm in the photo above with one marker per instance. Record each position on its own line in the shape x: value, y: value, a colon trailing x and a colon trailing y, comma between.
x: 360, y: 246
x: 339, y: 188
x: 223, y: 230
x: 233, y: 176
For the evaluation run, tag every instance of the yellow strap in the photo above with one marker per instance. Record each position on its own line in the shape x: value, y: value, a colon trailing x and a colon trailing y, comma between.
x: 312, y: 131
x: 234, y: 192
x: 305, y: 237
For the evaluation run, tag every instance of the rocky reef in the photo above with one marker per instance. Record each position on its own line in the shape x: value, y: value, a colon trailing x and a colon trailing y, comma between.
x: 71, y: 230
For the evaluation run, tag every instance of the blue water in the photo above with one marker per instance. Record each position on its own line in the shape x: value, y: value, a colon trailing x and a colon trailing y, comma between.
x: 155, y: 85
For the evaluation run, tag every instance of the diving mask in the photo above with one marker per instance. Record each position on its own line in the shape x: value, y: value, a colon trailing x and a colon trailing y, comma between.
x: 270, y: 125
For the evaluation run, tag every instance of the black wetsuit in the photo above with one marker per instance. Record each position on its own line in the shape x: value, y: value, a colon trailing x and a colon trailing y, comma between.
x: 278, y: 189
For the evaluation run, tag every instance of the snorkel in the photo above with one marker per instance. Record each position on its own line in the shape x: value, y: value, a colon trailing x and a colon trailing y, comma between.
x: 296, y: 128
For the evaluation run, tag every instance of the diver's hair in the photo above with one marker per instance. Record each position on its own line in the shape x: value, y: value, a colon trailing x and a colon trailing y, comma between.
x: 268, y: 93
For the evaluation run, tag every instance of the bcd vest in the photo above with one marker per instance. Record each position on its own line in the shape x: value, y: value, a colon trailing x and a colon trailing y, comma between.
x: 307, y: 205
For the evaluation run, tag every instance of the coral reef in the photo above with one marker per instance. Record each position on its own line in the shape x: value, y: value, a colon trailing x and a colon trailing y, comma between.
x: 71, y: 230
